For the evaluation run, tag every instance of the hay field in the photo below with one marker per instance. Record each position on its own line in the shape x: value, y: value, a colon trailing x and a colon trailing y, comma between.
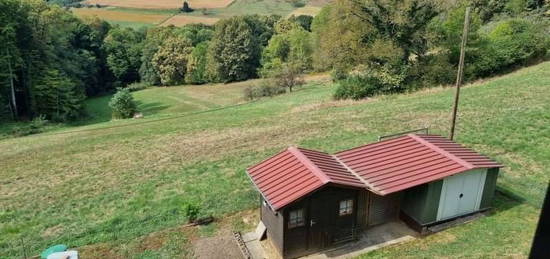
x: 162, y: 4
x: 306, y: 10
x: 182, y: 19
x: 114, y: 15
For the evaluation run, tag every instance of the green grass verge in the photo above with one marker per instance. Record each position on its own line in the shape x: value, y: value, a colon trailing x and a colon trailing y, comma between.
x: 113, y: 186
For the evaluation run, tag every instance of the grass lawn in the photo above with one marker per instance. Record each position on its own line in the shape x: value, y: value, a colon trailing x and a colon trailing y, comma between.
x: 112, y: 187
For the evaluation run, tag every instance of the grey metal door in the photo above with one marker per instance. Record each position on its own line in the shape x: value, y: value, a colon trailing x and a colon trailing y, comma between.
x: 461, y: 194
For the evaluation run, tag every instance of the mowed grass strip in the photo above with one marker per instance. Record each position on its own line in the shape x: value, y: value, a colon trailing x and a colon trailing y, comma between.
x: 114, y: 185
x: 162, y: 4
x: 121, y: 15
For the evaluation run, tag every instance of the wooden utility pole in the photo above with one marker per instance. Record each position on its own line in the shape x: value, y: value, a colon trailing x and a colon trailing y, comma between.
x: 460, y: 72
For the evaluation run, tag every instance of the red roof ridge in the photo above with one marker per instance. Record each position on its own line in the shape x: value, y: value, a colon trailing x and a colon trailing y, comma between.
x: 442, y: 151
x: 368, y: 185
x: 310, y: 165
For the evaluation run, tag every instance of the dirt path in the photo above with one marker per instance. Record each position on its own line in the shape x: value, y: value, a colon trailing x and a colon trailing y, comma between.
x: 217, y: 247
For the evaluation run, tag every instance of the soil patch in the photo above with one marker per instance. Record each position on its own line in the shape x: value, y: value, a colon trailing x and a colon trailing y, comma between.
x: 219, y: 247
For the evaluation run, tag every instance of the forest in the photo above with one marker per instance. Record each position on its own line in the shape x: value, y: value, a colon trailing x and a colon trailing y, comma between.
x: 51, y: 61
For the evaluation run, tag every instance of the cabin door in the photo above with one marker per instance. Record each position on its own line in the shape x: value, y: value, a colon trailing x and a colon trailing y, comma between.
x: 461, y: 194
x: 318, y: 221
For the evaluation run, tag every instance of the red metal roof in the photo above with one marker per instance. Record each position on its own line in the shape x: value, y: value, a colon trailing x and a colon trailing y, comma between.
x: 401, y: 163
x: 383, y: 167
x: 296, y: 172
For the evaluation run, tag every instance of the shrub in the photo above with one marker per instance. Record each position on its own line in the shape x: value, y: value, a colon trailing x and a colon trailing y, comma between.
x: 338, y: 74
x: 435, y: 70
x: 303, y: 20
x: 368, y: 81
x: 356, y: 87
x: 138, y: 86
x: 34, y: 127
x: 267, y: 88
x: 123, y: 104
x: 510, y: 43
x: 191, y: 211
x: 297, y: 3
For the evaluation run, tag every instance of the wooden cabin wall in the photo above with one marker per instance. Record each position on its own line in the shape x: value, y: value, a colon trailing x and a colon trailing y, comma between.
x: 274, y: 222
x: 296, y: 239
x: 362, y: 208
x: 382, y: 209
x: 321, y: 207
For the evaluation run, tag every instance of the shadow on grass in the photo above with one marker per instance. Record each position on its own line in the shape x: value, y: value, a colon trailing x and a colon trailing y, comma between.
x: 98, y: 111
x: 151, y: 108
x: 505, y: 199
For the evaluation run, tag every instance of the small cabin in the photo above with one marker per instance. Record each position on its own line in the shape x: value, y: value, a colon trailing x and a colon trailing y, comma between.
x: 312, y: 200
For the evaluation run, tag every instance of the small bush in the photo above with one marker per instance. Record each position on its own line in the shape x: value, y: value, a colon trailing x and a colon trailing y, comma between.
x: 338, y: 74
x: 266, y: 89
x: 191, y: 211
x: 138, y: 86
x: 297, y: 3
x: 34, y: 127
x: 356, y: 87
x: 436, y: 70
x: 123, y: 104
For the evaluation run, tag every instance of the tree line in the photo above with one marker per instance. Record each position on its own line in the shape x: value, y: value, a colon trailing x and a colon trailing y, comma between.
x: 51, y: 61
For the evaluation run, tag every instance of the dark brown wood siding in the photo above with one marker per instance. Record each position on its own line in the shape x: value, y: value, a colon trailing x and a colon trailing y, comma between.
x: 383, y: 209
x: 362, y: 208
x: 274, y: 222
x: 323, y: 226
x: 295, y: 238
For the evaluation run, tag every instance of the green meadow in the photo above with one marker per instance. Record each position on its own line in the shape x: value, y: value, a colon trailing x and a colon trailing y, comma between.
x: 111, y: 187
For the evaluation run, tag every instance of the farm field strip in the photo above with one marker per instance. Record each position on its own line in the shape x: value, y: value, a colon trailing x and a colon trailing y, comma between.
x: 115, y: 15
x: 306, y: 10
x: 137, y: 13
x: 183, y: 19
x: 162, y: 4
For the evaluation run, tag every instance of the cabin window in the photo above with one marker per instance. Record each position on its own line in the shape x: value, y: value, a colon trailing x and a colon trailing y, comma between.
x: 346, y: 207
x: 296, y: 218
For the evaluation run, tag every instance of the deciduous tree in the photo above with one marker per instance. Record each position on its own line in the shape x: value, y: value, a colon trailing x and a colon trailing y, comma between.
x: 171, y: 60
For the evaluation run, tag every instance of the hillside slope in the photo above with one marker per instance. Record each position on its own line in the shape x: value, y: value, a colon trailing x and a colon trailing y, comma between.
x: 114, y: 185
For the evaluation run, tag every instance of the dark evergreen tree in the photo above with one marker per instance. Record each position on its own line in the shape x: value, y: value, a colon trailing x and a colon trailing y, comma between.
x: 186, y: 8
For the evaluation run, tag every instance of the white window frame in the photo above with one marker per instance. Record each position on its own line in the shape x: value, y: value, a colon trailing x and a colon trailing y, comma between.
x: 296, y: 218
x: 345, y: 207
